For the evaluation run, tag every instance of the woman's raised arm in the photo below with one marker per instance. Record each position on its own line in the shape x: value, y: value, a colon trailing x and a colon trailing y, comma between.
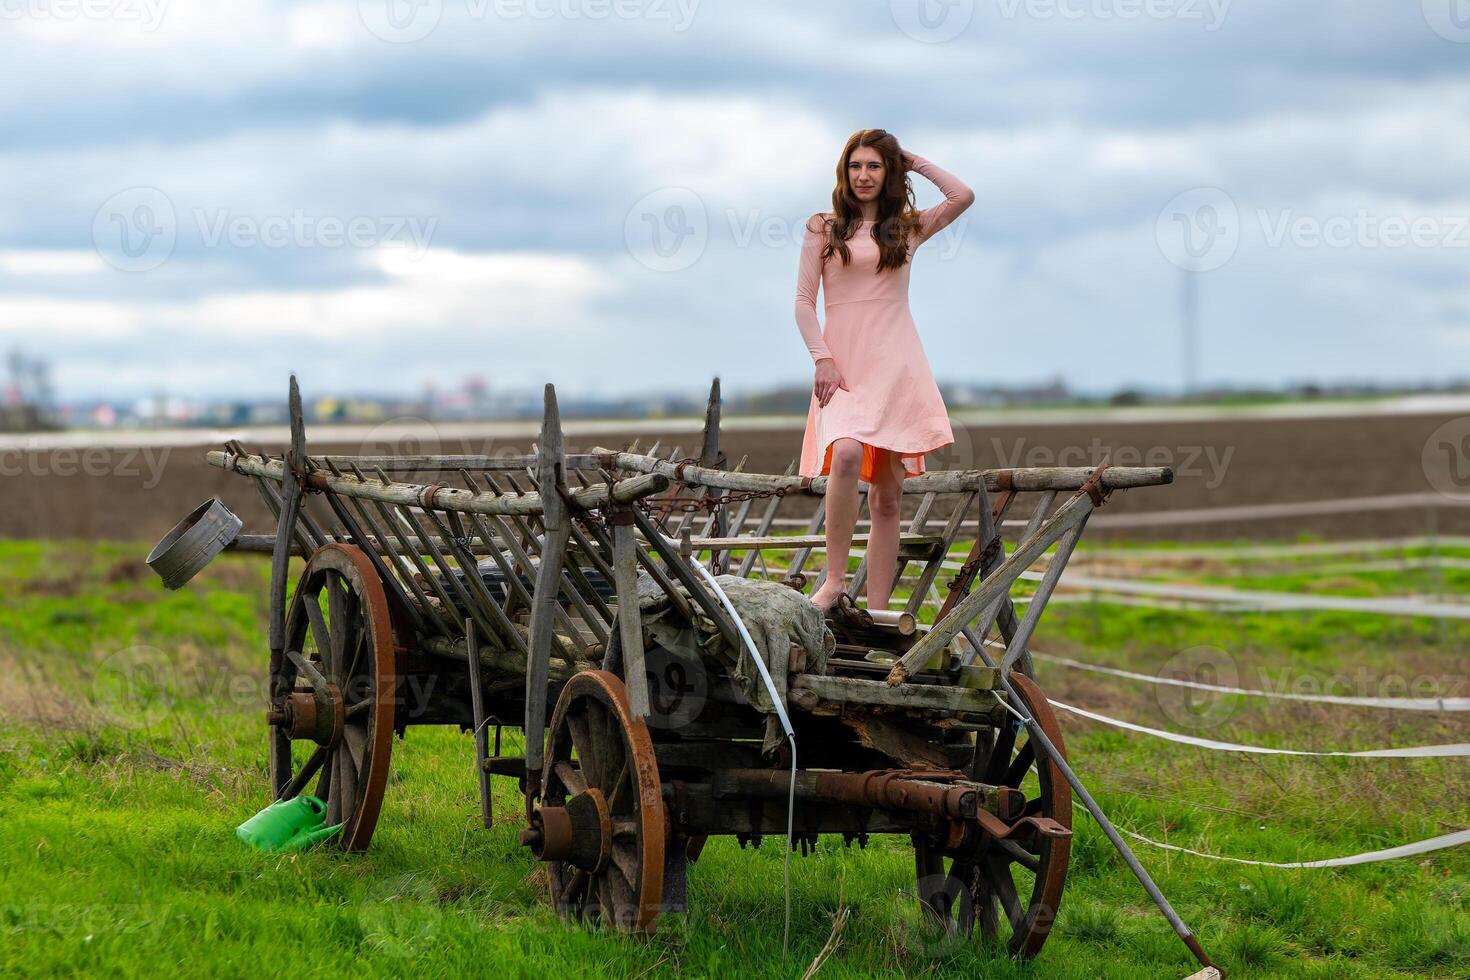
x: 808, y: 277
x: 957, y: 196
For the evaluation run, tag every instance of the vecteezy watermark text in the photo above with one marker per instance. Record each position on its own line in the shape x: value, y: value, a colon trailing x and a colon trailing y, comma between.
x: 406, y: 21
x: 137, y: 229
x: 1208, y: 463
x: 147, y: 14
x: 94, y: 461
x: 669, y: 229
x: 1210, y: 13
x: 1201, y: 229
x: 937, y: 21
x: 302, y: 229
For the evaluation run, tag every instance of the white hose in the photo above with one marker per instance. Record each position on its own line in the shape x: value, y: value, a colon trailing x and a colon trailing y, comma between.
x: 785, y: 725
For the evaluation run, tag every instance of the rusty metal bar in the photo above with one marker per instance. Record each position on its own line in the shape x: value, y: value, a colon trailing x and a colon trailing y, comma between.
x: 946, y: 793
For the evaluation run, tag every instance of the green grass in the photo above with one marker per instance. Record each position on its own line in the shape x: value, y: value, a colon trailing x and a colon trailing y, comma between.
x: 118, y: 803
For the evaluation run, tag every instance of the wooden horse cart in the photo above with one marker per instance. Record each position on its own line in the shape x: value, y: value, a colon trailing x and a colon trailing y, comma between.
x: 508, y: 596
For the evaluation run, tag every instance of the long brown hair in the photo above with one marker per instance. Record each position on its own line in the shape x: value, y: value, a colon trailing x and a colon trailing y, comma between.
x: 897, y: 218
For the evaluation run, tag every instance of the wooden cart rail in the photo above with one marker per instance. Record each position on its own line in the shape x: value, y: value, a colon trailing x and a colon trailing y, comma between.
x: 438, y: 496
x: 1056, y: 478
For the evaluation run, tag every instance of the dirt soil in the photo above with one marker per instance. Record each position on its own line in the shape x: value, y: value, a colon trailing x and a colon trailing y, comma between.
x: 139, y: 494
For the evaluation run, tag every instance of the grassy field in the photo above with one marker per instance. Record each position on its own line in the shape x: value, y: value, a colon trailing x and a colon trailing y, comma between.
x: 118, y: 806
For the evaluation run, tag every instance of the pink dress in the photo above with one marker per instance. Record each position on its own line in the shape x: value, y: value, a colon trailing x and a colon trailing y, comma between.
x: 891, y: 401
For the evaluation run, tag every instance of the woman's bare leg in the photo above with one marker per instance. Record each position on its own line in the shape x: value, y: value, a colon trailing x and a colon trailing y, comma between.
x: 885, y: 504
x: 842, y: 508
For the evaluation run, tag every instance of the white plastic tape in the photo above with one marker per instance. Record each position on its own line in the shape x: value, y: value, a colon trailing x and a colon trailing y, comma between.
x: 770, y: 684
x: 1455, y: 839
x: 1394, y: 704
x: 1254, y: 599
x: 1461, y: 749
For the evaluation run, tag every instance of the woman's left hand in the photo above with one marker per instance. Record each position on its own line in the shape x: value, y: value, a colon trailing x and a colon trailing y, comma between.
x: 908, y: 160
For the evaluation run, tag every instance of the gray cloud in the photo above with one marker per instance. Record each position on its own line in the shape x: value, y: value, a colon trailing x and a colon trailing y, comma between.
x: 512, y: 136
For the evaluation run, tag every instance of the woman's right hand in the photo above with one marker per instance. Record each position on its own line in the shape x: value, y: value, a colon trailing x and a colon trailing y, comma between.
x: 828, y: 380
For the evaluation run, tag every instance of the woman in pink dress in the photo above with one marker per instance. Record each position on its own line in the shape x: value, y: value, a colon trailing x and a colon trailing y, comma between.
x: 875, y: 408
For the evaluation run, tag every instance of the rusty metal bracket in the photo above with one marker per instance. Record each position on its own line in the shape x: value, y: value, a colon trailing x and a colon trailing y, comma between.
x: 304, y: 476
x: 1000, y: 830
x: 1094, y: 488
x: 428, y: 493
x: 619, y: 516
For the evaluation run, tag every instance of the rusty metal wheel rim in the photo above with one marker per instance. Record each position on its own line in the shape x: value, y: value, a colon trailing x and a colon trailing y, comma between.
x: 351, y: 642
x: 958, y: 893
x: 614, y: 754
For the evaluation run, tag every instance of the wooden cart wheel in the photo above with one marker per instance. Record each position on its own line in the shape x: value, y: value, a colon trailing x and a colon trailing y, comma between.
x: 600, y: 759
x: 1012, y: 888
x: 331, y: 714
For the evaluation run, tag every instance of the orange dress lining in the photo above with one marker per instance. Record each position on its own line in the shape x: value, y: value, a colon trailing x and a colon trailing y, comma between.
x: 869, y: 468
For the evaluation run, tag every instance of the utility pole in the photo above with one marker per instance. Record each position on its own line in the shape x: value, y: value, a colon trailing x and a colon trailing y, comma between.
x: 1189, y: 323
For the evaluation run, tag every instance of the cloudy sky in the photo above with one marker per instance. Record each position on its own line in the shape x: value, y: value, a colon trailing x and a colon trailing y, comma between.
x: 608, y: 194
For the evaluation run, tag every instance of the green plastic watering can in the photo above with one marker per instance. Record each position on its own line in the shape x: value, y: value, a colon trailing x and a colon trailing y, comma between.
x: 288, y: 825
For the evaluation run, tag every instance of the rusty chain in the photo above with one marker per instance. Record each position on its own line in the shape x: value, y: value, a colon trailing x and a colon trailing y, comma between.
x: 692, y: 504
x: 967, y: 571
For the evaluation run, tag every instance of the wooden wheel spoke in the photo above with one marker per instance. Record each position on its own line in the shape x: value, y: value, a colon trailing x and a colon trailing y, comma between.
x: 1000, y: 756
x: 340, y: 627
x: 346, y: 781
x: 998, y: 874
x: 1015, y: 851
x: 359, y: 644
x: 603, y: 724
x: 319, y: 632
x: 586, y: 752
x: 615, y: 793
x: 1020, y: 765
x: 621, y: 878
x: 279, y: 749
x: 624, y: 828
x: 606, y: 907
x: 576, y: 888
x: 326, y: 788
x: 627, y: 864
x: 987, y: 915
x: 356, y: 741
x: 303, y: 775
x: 570, y: 777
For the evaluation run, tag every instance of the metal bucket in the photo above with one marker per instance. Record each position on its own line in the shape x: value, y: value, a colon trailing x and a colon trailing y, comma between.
x: 194, y: 542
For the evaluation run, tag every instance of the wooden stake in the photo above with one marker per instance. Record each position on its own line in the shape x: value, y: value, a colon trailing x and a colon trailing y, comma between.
x: 630, y: 618
x: 550, y: 467
x: 291, y: 490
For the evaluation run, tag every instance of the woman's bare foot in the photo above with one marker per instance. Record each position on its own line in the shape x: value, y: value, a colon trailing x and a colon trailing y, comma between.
x: 825, y: 596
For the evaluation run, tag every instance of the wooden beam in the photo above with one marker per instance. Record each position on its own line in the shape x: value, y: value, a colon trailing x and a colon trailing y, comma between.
x: 856, y: 690
x: 445, y: 498
x: 1061, y: 478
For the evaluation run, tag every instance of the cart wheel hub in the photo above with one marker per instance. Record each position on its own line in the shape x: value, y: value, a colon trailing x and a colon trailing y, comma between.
x: 579, y: 833
x: 313, y: 715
